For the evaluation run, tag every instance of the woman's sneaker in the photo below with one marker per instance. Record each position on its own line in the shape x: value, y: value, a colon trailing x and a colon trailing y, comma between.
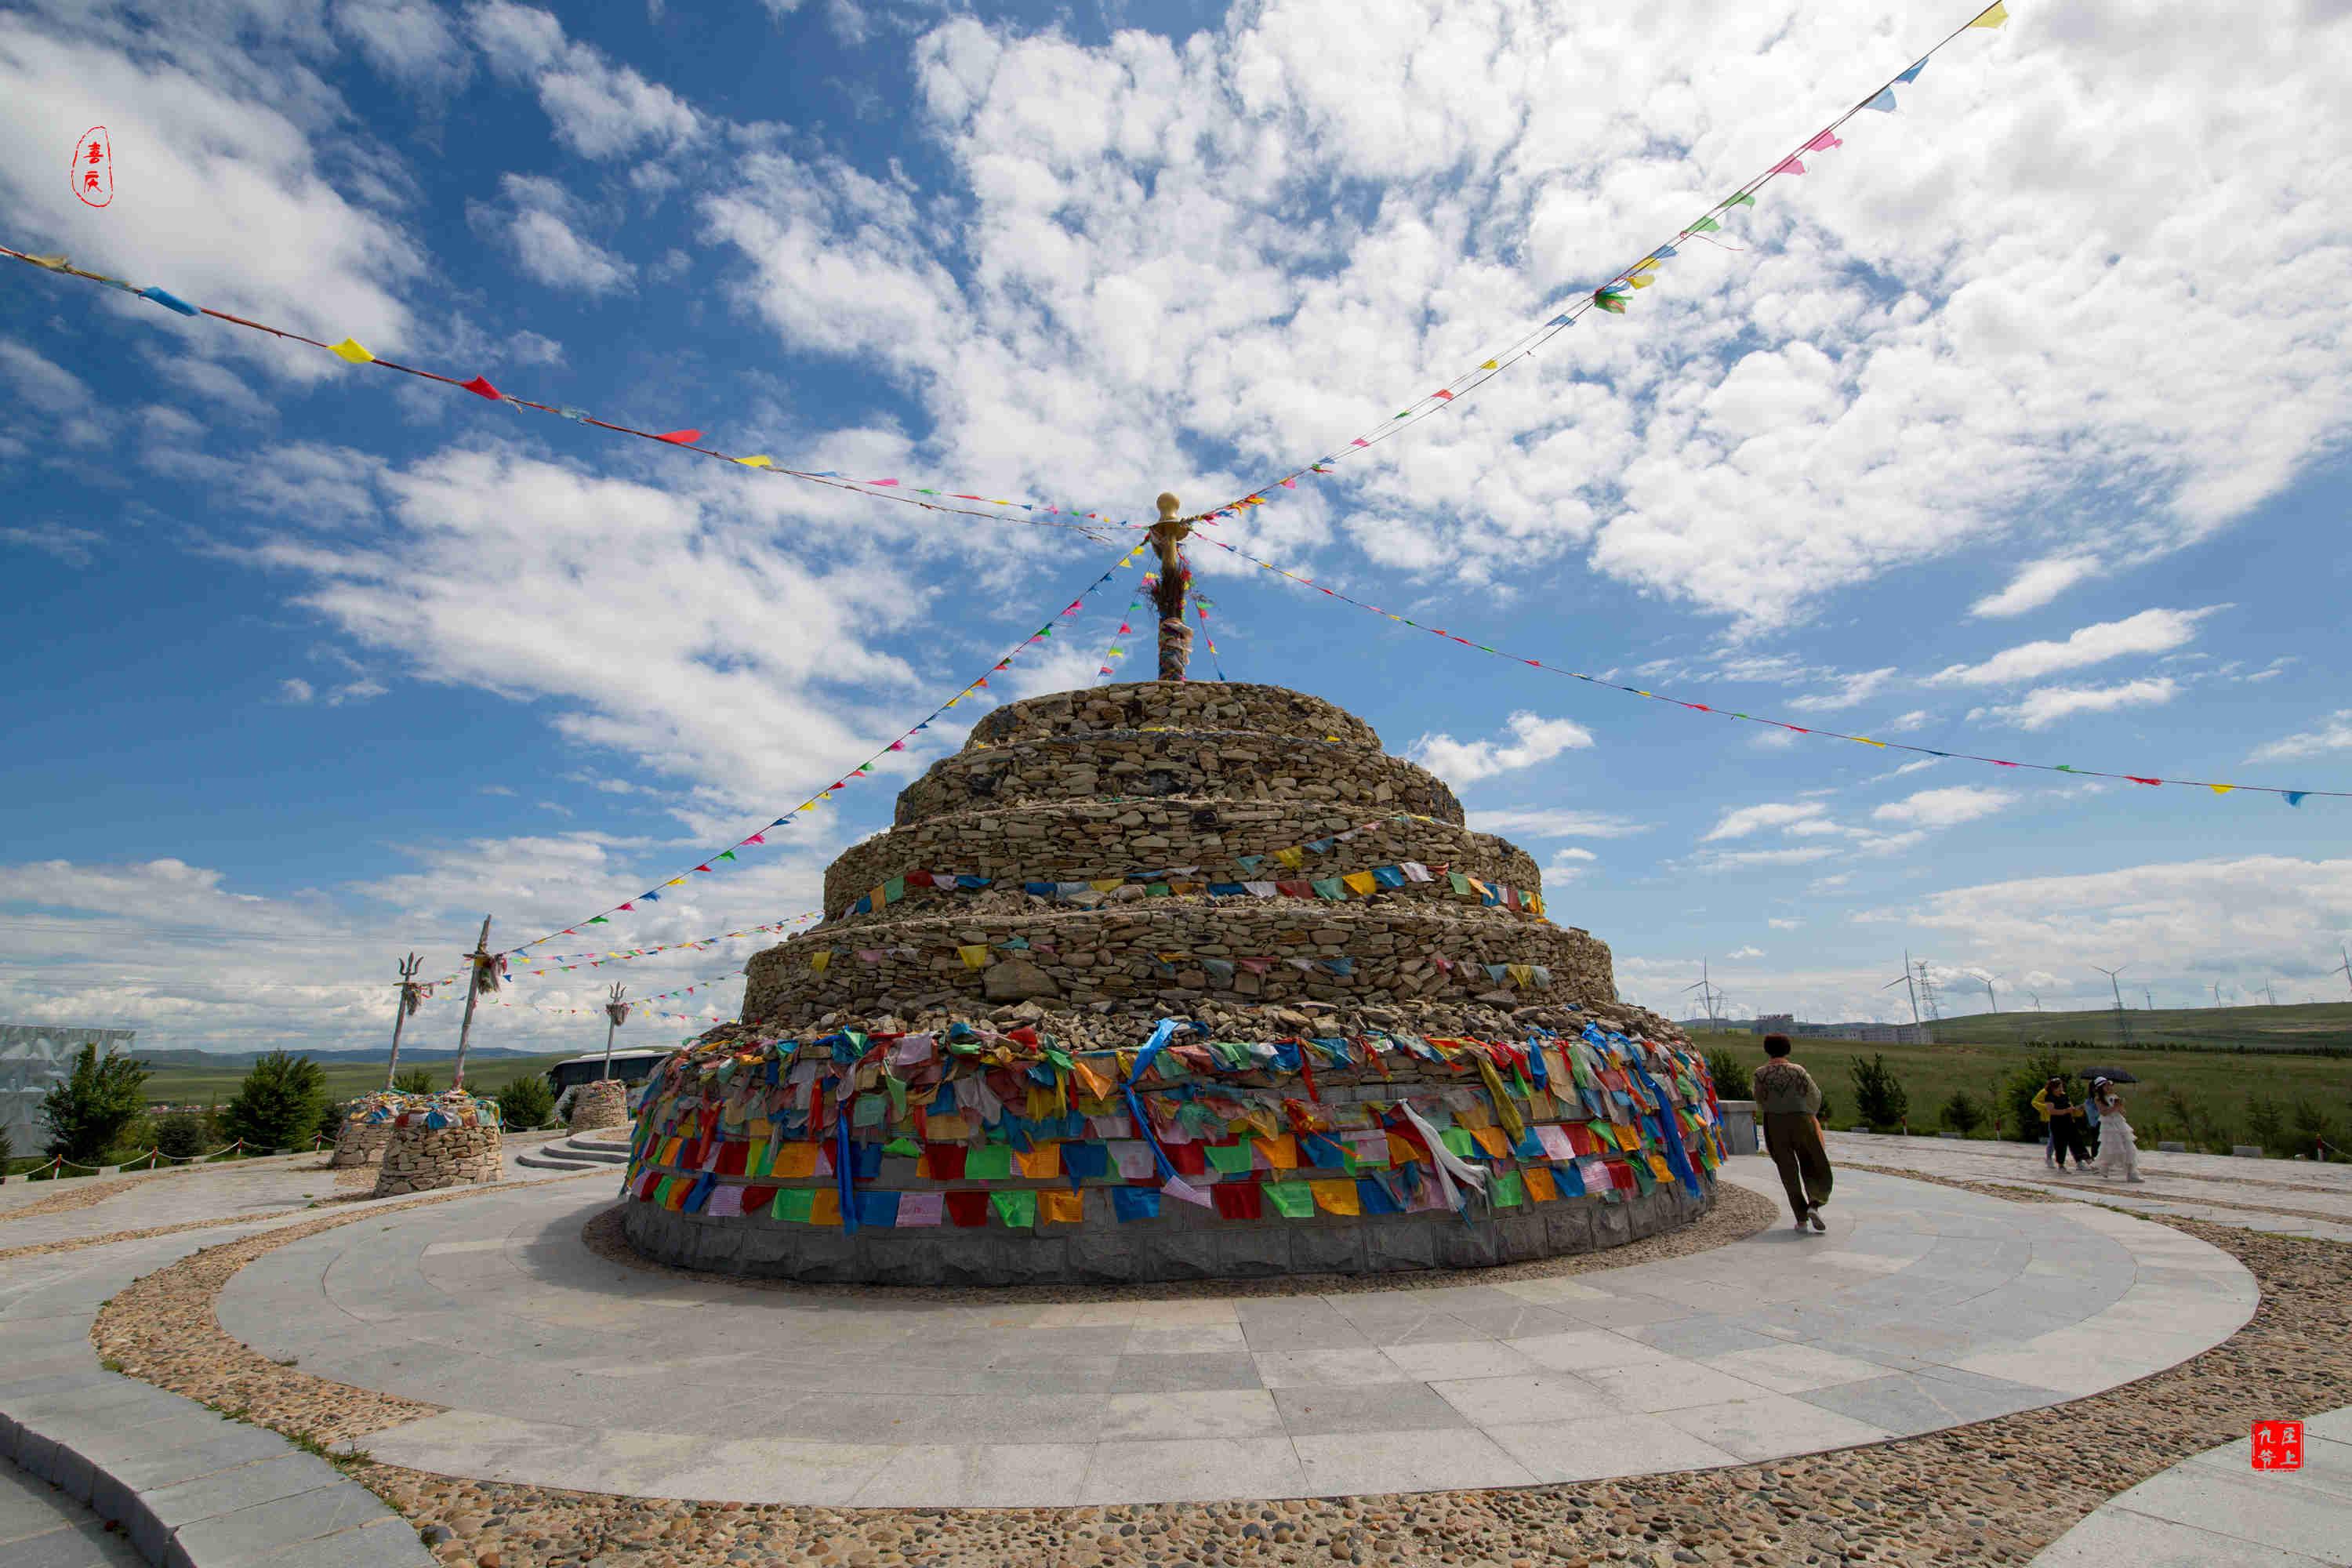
x: 1815, y: 1215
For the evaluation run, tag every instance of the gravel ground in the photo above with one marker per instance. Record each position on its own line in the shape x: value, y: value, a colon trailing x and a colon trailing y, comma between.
x: 1736, y: 1213
x: 1994, y: 1492
x: 79, y: 1193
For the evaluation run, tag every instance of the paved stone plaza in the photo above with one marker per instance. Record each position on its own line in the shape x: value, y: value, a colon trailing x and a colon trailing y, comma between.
x: 1927, y: 1306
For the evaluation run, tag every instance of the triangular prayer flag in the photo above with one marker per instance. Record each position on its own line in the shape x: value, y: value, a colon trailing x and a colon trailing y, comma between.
x: 1704, y: 225
x: 1742, y: 200
x: 1884, y: 103
x: 1612, y: 304
x: 2221, y: 789
x: 1993, y: 15
x: 1823, y: 142
x: 1789, y: 166
x: 1488, y: 365
x: 349, y: 349
x: 680, y: 438
x: 480, y: 387
x: 1913, y: 74
x: 760, y: 462
x: 2293, y: 796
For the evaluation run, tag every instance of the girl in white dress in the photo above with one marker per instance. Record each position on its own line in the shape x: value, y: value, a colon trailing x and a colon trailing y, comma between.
x: 2118, y: 1150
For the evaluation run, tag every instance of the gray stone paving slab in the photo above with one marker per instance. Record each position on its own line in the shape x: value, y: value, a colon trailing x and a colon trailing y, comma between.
x: 2215, y: 1508
x: 40, y: 1527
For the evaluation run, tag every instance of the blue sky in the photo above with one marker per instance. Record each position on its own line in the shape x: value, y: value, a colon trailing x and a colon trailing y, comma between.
x: 2014, y: 426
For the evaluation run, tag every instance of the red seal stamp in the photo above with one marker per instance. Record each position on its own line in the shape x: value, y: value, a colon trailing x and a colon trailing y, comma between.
x: 2278, y: 1444
x: 92, y: 167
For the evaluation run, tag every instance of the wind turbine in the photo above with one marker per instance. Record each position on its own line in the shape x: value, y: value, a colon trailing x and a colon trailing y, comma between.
x: 1705, y: 989
x: 2345, y: 968
x: 2217, y: 994
x: 1905, y: 981
x: 2121, y: 1016
x: 2271, y: 991
x: 1988, y: 992
x: 2037, y: 1000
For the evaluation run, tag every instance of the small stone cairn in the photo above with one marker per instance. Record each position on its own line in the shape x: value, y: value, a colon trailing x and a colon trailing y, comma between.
x: 443, y: 1139
x: 601, y: 1102
x: 366, y: 1130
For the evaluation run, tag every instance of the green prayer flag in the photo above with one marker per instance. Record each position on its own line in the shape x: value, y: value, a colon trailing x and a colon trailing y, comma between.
x: 792, y: 1204
x: 1017, y: 1207
x: 898, y: 1091
x: 1642, y: 1177
x: 1742, y: 200
x: 1229, y: 1159
x: 1704, y: 225
x: 726, y: 855
x: 989, y: 1162
x: 902, y: 1146
x: 1508, y: 1190
x: 1328, y: 888
x: 1457, y: 1140
x: 1460, y: 883
x: 1291, y: 1200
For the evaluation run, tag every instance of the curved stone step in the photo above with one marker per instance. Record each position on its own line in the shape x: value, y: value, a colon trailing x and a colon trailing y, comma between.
x: 555, y: 1159
x: 601, y: 1152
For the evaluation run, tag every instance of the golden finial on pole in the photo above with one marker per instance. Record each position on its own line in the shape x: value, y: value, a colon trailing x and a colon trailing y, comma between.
x: 1175, y: 638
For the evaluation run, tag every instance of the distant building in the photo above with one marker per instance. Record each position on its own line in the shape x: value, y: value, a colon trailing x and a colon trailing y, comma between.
x: 1774, y: 1024
x: 33, y: 1058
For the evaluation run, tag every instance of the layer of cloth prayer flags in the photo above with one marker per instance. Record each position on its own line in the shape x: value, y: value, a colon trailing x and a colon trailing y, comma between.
x: 971, y: 1127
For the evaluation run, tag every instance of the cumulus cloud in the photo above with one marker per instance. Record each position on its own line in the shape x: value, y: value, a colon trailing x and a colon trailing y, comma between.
x: 2150, y: 631
x: 1735, y: 859
x: 1745, y: 953
x: 1555, y: 821
x: 1946, y: 808
x: 408, y: 40
x: 1776, y: 923
x: 71, y: 545
x: 2334, y: 734
x: 1852, y: 691
x: 2036, y: 584
x: 599, y: 109
x: 1786, y: 815
x: 1534, y: 739
x: 2047, y: 705
x: 538, y: 220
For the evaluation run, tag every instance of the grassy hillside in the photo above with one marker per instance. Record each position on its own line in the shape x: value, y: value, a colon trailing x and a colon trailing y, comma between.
x: 2300, y: 1028
x: 212, y: 1084
x: 2224, y: 1087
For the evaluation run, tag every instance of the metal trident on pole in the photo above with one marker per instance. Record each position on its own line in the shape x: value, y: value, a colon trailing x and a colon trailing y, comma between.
x: 617, y: 1013
x: 412, y: 995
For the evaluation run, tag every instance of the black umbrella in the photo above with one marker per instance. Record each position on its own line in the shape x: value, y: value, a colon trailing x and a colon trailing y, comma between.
x: 2112, y: 1075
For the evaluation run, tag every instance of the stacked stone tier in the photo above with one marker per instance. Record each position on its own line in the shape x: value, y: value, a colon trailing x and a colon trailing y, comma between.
x: 1064, y: 841
x: 1154, y: 952
x: 1176, y: 705
x: 1236, y: 764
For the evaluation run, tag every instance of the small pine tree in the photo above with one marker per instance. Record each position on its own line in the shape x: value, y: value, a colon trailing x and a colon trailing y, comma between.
x: 278, y: 1104
x: 1731, y: 1080
x: 180, y: 1133
x: 88, y: 1110
x: 525, y: 1101
x: 1878, y: 1094
x: 7, y: 1150
x: 414, y: 1080
x: 1961, y: 1113
x: 2312, y: 1128
x: 2267, y: 1122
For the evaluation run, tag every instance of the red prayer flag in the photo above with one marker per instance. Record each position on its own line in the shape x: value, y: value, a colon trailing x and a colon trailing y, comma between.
x: 480, y: 387
x: 680, y: 438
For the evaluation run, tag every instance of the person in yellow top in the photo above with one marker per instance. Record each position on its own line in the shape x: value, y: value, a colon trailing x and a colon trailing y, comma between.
x: 2067, y: 1131
x: 1789, y: 1103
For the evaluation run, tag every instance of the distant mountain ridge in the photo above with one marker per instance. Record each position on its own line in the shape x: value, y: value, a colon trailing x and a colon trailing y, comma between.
x: 418, y: 1054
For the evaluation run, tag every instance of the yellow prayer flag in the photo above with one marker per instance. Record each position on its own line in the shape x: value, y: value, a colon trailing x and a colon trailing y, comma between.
x: 1336, y: 1196
x: 1291, y: 857
x: 1281, y: 1152
x: 974, y: 956
x: 1642, y: 265
x: 1041, y: 1163
x: 1107, y: 884
x: 794, y: 1162
x: 1491, y: 1140
x: 879, y: 897
x: 1868, y: 742
x: 1992, y: 17
x: 349, y: 349
x: 1540, y: 1187
x: 1659, y: 1168
x: 2221, y: 789
x: 820, y: 961
x: 1402, y: 1149
x: 1360, y: 883
x: 1488, y: 365
x: 760, y: 462
x: 825, y: 1208
x: 1627, y: 1137
x: 1062, y: 1207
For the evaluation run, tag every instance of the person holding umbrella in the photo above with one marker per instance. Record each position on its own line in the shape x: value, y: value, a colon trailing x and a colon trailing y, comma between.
x: 2118, y: 1147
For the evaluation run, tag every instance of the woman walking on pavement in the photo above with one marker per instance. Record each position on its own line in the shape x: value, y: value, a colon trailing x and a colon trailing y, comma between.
x: 2066, y: 1132
x: 1789, y: 1101
x: 2118, y: 1149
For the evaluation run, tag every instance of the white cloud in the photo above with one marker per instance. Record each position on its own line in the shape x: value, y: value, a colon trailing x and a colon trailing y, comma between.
x: 2150, y: 631
x: 1789, y: 815
x: 69, y: 545
x: 1903, y: 722
x: 537, y: 223
x: 296, y: 691
x: 2046, y: 705
x: 1853, y: 689
x: 2036, y: 584
x: 1776, y: 923
x: 1913, y: 767
x: 2334, y: 734
x: 1554, y: 822
x: 1745, y: 953
x: 1772, y: 740
x: 408, y: 40
x: 1946, y: 808
x: 1535, y: 739
x: 1733, y: 859
x: 599, y: 109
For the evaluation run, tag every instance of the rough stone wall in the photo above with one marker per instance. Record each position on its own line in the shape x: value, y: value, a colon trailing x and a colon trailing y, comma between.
x: 1071, y: 841
x: 1225, y: 765
x: 1113, y: 955
x: 601, y: 1102
x: 1182, y: 705
x: 419, y: 1159
x: 359, y: 1144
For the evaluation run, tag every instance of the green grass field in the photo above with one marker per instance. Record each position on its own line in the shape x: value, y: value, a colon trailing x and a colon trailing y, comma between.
x: 2221, y: 1085
x: 176, y: 1085
x: 2302, y: 1028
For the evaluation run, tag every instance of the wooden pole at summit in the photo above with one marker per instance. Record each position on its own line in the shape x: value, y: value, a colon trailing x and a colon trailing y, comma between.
x: 474, y: 962
x: 615, y: 1010
x: 400, y: 1010
x: 1175, y: 637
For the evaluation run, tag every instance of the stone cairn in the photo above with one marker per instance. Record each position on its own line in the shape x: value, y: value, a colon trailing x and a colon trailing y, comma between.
x: 1163, y: 981
x: 365, y: 1130
x: 442, y: 1139
x: 600, y: 1102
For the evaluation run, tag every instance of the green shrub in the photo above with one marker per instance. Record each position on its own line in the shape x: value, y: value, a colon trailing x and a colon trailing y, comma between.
x: 7, y: 1150
x: 414, y: 1080
x: 2312, y: 1128
x: 278, y: 1104
x: 88, y: 1110
x: 525, y: 1101
x: 1961, y: 1113
x: 181, y: 1133
x: 2022, y: 1084
x: 2267, y: 1123
x: 1731, y: 1081
x: 1878, y: 1094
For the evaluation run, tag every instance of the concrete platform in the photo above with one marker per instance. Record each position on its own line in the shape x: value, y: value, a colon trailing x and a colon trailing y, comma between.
x: 1924, y: 1308
x: 2216, y: 1510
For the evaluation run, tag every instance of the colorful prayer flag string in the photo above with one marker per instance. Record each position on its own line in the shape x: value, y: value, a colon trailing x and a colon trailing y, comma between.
x: 1610, y: 298
x: 2291, y: 796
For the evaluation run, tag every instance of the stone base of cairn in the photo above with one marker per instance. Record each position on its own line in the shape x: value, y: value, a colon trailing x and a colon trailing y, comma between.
x: 360, y: 1143
x: 421, y: 1158
x: 601, y: 1103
